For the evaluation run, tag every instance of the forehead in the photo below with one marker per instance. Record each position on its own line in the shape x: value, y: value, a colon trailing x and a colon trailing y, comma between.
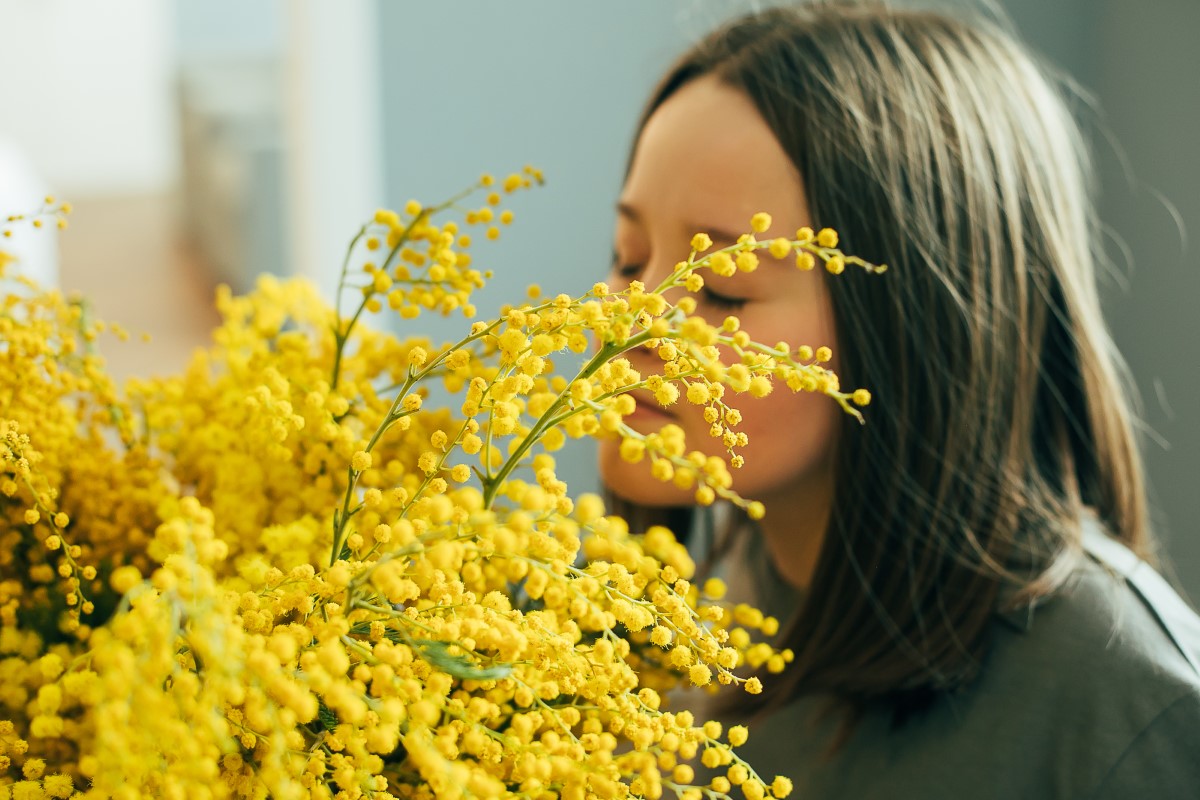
x: 707, y: 154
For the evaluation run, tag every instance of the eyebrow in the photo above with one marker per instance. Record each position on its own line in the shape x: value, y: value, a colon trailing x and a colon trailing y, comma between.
x: 719, y: 235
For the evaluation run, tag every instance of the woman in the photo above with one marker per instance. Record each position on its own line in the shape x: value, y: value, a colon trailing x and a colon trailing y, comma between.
x: 961, y: 580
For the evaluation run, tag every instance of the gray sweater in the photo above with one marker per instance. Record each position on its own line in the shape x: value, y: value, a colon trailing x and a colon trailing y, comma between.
x: 1095, y: 695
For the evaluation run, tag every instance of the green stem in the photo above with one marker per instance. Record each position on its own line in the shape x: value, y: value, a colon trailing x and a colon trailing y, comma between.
x: 605, y: 354
x: 342, y: 519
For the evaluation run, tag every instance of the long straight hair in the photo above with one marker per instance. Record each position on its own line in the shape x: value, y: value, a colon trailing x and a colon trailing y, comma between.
x: 1000, y: 415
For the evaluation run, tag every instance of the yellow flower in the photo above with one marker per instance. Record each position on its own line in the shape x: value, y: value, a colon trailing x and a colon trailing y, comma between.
x: 666, y: 394
x: 738, y: 378
x: 701, y: 242
x: 58, y: 786
x: 827, y: 237
x: 345, y: 614
x: 632, y: 450
x: 722, y: 264
x: 662, y: 470
x: 760, y: 386
x: 760, y: 222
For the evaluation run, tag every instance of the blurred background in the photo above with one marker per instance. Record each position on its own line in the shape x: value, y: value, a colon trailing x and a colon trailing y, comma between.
x: 206, y: 141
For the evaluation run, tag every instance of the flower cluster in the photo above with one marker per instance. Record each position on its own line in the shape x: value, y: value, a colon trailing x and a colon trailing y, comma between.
x: 51, y: 211
x: 282, y: 573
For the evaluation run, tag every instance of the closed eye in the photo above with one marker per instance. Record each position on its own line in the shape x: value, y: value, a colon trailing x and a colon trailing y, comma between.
x: 722, y: 301
x: 626, y: 271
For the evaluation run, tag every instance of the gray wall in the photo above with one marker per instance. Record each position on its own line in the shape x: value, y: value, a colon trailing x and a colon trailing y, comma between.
x: 1148, y: 74
x: 1141, y: 63
x: 560, y: 85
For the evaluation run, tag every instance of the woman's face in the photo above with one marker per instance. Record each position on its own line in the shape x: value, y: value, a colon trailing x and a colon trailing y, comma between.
x: 706, y: 161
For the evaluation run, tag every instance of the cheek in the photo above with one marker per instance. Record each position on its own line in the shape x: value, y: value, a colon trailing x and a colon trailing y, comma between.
x: 791, y: 438
x: 791, y: 442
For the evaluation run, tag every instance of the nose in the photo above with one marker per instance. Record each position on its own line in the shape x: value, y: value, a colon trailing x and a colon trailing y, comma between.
x: 652, y: 275
x: 644, y: 359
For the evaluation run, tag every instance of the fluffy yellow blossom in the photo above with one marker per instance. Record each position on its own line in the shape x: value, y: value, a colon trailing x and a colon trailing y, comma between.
x: 360, y: 461
x: 723, y: 264
x: 827, y: 237
x: 737, y: 735
x: 746, y: 261
x: 307, y: 562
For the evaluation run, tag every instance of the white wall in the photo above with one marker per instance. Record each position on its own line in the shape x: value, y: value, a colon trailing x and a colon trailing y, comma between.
x: 332, y: 131
x: 87, y: 93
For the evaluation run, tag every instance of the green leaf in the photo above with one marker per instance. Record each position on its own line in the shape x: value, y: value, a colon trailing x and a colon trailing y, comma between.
x: 328, y: 719
x: 457, y: 666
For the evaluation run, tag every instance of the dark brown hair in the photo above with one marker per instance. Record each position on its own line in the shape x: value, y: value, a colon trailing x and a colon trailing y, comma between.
x: 1000, y: 418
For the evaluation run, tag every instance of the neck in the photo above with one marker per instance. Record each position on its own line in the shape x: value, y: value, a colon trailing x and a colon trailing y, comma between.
x: 794, y: 529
